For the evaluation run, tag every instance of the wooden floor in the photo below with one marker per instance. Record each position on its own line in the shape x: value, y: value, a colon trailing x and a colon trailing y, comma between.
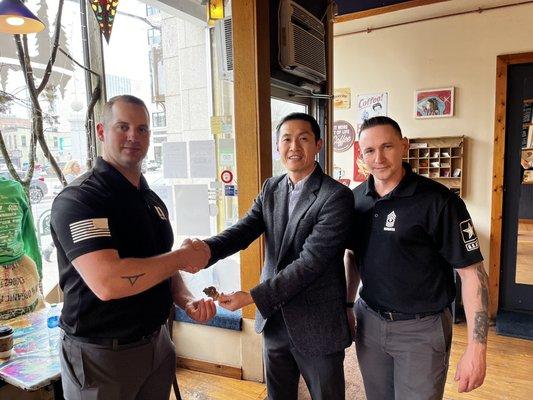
x: 199, y: 386
x: 509, y: 375
x: 524, y: 256
x: 509, y: 368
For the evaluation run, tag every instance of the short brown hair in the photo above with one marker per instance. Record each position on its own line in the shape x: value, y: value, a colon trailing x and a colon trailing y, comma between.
x: 380, y: 121
x: 126, y: 98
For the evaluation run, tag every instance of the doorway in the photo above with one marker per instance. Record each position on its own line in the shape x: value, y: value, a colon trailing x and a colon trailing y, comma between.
x: 515, y: 300
x: 517, y: 252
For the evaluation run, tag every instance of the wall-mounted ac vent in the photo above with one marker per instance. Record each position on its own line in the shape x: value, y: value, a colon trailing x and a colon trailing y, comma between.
x: 224, y: 43
x: 302, y: 49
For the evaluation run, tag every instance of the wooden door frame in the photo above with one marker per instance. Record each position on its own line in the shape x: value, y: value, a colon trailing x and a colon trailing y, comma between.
x: 498, y: 165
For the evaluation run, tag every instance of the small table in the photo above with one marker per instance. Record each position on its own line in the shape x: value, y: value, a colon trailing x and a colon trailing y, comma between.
x: 32, y: 364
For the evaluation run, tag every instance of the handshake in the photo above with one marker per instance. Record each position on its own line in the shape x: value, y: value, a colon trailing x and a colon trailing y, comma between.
x: 194, y: 255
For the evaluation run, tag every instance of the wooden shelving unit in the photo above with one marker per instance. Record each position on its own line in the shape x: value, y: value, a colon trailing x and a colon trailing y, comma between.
x: 527, y: 140
x: 438, y: 158
x: 527, y: 125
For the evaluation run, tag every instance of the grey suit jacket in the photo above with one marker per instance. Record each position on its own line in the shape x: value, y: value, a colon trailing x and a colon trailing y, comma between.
x: 303, y: 274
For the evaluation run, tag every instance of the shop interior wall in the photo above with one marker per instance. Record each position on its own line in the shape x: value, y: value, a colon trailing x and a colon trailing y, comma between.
x: 458, y: 51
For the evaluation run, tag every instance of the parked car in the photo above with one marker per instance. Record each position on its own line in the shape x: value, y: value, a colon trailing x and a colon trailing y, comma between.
x: 38, y: 188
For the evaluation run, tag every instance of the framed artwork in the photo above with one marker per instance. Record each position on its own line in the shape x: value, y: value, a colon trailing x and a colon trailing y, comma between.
x: 434, y: 103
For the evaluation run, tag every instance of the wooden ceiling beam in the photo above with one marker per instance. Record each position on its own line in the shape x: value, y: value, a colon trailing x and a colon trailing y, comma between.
x: 384, y: 10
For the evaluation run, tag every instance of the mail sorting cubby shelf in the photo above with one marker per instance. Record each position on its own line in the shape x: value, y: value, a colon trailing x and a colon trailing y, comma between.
x: 438, y: 158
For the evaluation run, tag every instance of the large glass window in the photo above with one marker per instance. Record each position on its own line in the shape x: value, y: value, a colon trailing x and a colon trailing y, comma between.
x: 159, y: 120
x: 154, y: 36
x: 191, y: 163
x: 63, y: 102
x: 180, y: 68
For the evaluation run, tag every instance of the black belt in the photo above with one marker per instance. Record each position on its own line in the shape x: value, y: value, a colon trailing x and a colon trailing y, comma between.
x: 398, y: 316
x: 114, y: 343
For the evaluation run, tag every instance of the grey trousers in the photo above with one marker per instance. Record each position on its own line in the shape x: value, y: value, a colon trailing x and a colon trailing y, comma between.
x: 324, y: 375
x: 403, y: 360
x: 129, y: 372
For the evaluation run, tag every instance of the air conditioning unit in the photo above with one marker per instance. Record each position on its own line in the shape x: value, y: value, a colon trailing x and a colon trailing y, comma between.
x: 224, y: 43
x: 302, y: 48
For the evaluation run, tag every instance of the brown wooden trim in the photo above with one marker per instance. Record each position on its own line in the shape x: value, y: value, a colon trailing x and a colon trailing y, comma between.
x: 252, y: 120
x: 521, y: 58
x: 384, y: 10
x: 497, y: 185
x: 498, y: 155
x: 209, y: 368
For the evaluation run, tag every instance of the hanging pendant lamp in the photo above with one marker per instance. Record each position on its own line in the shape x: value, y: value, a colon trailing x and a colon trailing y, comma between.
x: 16, y: 18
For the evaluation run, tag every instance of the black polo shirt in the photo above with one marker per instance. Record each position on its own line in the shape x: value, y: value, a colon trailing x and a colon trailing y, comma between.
x: 408, y: 242
x: 103, y: 210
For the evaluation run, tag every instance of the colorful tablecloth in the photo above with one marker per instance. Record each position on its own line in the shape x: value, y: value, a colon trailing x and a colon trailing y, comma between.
x: 32, y: 365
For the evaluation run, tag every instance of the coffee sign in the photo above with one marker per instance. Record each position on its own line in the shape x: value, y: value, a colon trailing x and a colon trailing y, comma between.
x: 343, y: 136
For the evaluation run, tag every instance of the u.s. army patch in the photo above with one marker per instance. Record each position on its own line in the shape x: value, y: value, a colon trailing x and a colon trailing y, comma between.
x: 469, y: 235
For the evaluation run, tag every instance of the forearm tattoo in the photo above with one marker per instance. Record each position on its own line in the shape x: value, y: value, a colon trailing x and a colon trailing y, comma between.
x: 481, y: 317
x: 132, y: 278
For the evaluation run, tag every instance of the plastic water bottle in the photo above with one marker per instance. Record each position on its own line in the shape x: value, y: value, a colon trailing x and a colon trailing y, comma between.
x: 53, y: 328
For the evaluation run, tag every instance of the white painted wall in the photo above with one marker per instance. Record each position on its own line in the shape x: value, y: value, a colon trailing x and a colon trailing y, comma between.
x: 457, y: 51
x: 241, y: 349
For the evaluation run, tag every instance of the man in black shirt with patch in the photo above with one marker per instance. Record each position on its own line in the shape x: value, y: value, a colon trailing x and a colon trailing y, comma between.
x: 412, y: 233
x: 117, y: 271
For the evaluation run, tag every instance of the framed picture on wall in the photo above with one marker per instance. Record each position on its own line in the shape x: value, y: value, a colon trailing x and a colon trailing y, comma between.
x: 434, y: 103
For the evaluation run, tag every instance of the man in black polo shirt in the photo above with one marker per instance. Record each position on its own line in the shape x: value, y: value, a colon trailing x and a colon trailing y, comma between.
x: 117, y: 271
x: 412, y: 233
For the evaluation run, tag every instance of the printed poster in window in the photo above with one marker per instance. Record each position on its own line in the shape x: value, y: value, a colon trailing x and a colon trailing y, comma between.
x: 370, y: 105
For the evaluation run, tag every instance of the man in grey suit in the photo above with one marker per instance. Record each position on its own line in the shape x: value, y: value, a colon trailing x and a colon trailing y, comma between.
x: 300, y: 301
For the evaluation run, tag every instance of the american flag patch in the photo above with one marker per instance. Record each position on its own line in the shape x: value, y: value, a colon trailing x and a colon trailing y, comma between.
x: 89, y: 229
x: 160, y: 212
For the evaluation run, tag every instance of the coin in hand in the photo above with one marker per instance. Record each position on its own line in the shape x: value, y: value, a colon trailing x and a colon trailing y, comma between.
x: 212, y: 292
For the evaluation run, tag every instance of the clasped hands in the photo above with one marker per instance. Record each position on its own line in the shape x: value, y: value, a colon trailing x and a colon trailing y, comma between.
x: 196, y: 255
